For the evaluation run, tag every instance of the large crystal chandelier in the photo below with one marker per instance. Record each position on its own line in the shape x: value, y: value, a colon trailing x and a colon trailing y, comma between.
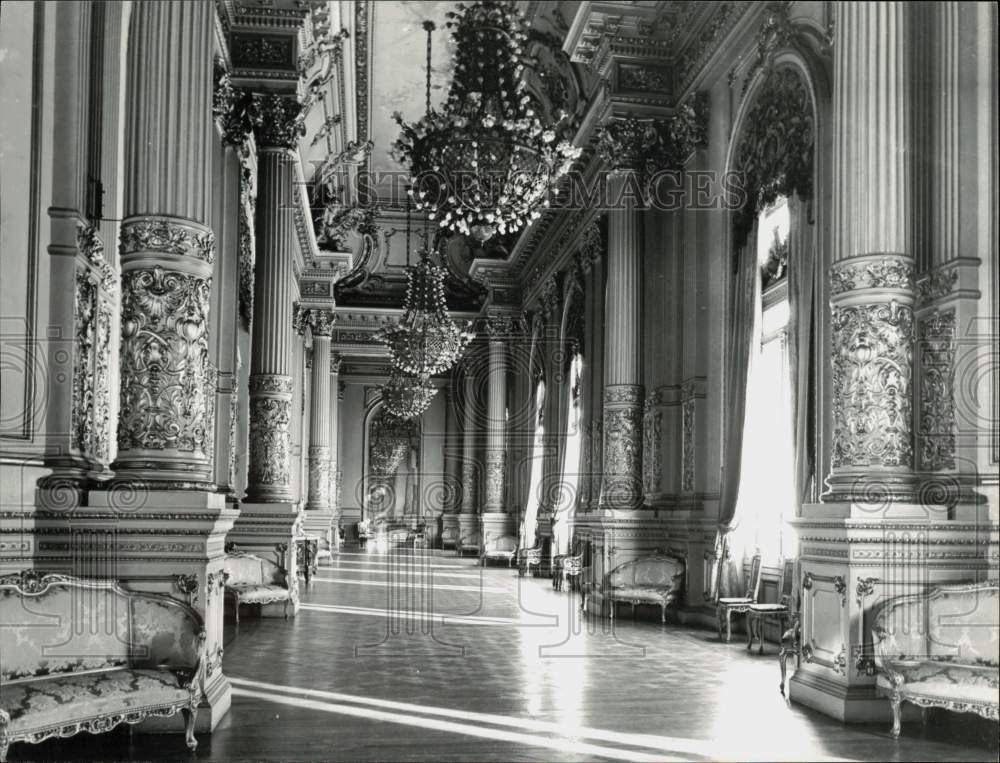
x: 486, y: 162
x: 407, y: 397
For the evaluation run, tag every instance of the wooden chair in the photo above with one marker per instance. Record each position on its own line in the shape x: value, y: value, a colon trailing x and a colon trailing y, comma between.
x: 726, y: 606
x: 781, y: 611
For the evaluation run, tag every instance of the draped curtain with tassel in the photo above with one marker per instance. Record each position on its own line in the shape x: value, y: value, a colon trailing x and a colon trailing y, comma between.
x: 801, y: 291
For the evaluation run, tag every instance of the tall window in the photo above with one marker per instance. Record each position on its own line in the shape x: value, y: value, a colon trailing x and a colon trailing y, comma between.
x: 535, y: 480
x: 562, y: 527
x: 766, y: 494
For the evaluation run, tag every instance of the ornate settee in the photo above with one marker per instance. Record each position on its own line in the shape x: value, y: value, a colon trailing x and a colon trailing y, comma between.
x: 252, y: 579
x: 88, y: 655
x: 941, y: 648
x: 528, y: 557
x: 656, y: 579
x: 500, y: 547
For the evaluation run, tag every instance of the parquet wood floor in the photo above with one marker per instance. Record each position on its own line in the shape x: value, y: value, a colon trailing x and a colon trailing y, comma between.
x: 504, y: 669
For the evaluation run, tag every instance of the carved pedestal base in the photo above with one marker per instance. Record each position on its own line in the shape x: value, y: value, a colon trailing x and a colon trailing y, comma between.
x: 269, y: 530
x: 852, y: 563
x: 496, y: 525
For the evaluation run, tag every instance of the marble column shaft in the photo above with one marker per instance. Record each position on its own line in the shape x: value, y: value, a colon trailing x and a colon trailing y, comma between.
x: 872, y: 290
x: 319, y: 424
x: 335, y: 361
x: 270, y: 475
x: 167, y: 251
x: 451, y: 458
x: 622, y: 485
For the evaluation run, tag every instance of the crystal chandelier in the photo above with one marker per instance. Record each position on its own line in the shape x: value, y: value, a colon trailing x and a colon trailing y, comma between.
x: 407, y: 397
x: 485, y: 163
x: 425, y: 341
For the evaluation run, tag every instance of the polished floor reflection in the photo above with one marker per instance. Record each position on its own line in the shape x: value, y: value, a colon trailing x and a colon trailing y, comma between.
x: 397, y: 657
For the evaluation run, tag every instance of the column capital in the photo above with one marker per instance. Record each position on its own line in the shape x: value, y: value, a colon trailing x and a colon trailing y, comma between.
x: 501, y: 326
x: 592, y: 247
x: 320, y: 320
x: 275, y: 120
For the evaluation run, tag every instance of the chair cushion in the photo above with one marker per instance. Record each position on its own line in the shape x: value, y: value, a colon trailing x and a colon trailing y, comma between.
x: 259, y: 594
x: 768, y: 608
x: 36, y: 705
x: 735, y: 600
x: 948, y: 681
x: 648, y: 593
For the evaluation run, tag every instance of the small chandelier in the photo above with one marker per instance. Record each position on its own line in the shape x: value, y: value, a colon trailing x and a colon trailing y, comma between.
x: 425, y: 341
x: 407, y: 397
x: 485, y: 163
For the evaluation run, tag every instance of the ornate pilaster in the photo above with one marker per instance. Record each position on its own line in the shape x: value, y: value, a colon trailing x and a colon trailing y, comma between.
x: 622, y: 486
x: 165, y: 432
x: 872, y: 278
x: 270, y: 478
x: 499, y: 330
x: 468, y: 503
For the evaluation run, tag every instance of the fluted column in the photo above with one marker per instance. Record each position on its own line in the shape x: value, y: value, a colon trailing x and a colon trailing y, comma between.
x: 873, y: 273
x: 270, y: 475
x: 321, y: 323
x: 623, y: 392
x: 165, y: 433
x: 496, y: 415
x: 334, y: 484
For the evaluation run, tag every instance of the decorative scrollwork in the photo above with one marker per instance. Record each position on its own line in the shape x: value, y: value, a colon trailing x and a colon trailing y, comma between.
x: 652, y: 422
x: 187, y: 584
x: 872, y: 370
x: 167, y: 236
x: 936, y: 431
x: 622, y: 486
x: 270, y: 441
x: 165, y: 367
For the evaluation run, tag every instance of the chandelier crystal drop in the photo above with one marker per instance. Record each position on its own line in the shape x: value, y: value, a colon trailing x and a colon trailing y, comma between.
x: 425, y: 341
x: 486, y: 162
x: 407, y: 397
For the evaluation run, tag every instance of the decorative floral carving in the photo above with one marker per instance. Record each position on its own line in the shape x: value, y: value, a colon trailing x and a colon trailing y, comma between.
x: 622, y: 487
x: 865, y: 587
x: 319, y: 477
x: 270, y: 440
x: 83, y: 377
x: 884, y: 273
x: 103, y: 425
x: 652, y: 428
x: 872, y: 369
x: 776, y: 149
x: 495, y: 464
x: 187, y: 584
x: 246, y: 253
x: 936, y: 432
x: 687, y: 445
x: 165, y: 368
x: 936, y: 285
x: 167, y: 236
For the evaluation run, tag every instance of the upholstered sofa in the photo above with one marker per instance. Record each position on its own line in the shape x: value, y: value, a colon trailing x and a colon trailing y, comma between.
x: 941, y: 648
x: 88, y: 655
x: 499, y: 547
x: 656, y: 579
x: 252, y: 579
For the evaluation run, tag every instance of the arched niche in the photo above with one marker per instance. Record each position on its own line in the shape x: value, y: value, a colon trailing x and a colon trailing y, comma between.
x: 390, y: 490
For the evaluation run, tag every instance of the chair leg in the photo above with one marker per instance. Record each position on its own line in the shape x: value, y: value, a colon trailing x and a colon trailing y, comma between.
x: 718, y: 621
x: 750, y: 624
x: 897, y: 702
x: 4, y: 746
x: 663, y: 613
x: 760, y: 635
x: 190, y: 715
x: 782, y: 660
x: 729, y: 625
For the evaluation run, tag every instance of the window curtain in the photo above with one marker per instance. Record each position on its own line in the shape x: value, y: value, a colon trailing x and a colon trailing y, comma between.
x: 740, y: 326
x: 529, y: 530
x: 801, y: 291
x: 570, y: 483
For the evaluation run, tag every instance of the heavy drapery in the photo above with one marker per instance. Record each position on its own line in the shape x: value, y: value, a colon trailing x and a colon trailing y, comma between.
x: 801, y: 290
